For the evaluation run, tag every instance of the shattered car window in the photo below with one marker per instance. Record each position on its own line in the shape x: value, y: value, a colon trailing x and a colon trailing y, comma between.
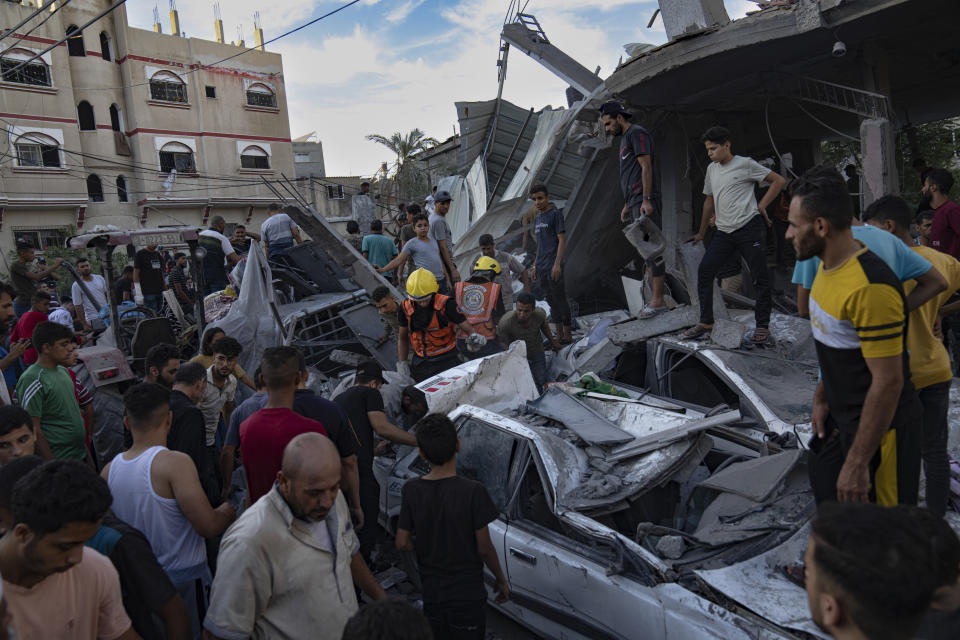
x: 485, y: 456
x: 786, y: 386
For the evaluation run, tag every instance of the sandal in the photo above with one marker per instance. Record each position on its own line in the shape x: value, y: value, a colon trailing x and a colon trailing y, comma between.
x: 697, y: 331
x: 761, y: 335
x: 649, y: 312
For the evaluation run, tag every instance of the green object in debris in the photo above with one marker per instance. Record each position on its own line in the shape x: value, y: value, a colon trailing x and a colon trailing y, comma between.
x: 590, y: 383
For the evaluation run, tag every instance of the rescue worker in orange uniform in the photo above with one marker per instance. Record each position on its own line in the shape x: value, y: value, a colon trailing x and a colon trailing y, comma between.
x: 428, y: 323
x: 479, y: 299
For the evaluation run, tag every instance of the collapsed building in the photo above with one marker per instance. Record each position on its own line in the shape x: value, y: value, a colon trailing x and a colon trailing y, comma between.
x: 782, y: 80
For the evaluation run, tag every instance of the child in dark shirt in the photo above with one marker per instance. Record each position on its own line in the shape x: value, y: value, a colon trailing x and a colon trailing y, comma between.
x: 444, y: 518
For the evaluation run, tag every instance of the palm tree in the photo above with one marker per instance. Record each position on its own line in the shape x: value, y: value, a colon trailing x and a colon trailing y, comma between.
x: 405, y: 146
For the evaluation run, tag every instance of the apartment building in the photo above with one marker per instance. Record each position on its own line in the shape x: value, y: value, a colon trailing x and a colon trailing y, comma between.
x: 129, y: 127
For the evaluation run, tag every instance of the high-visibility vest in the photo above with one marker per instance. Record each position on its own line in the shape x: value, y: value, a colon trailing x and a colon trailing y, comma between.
x: 477, y: 301
x: 438, y: 338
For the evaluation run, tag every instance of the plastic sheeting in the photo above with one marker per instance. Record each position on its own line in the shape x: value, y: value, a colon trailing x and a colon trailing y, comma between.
x: 250, y: 319
x: 458, y: 217
x: 550, y: 124
x: 477, y: 186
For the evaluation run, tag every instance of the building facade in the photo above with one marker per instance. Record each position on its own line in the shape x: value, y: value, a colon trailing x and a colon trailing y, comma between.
x: 132, y: 128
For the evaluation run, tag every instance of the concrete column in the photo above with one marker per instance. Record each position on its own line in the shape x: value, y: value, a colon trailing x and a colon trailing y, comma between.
x: 877, y: 144
x: 675, y: 189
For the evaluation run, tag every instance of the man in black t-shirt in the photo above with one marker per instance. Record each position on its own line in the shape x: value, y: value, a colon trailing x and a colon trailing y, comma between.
x: 124, y: 286
x: 444, y: 518
x: 148, y: 281
x: 363, y: 405
x: 639, y: 186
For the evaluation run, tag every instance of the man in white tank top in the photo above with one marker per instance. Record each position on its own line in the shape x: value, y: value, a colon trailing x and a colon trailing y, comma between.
x: 158, y: 491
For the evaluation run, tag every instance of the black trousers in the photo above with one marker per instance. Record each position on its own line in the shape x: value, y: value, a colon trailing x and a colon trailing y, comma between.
x: 423, y: 368
x: 894, y: 470
x: 935, y: 399
x: 751, y: 241
x: 370, y: 504
x: 556, y: 294
x: 457, y: 620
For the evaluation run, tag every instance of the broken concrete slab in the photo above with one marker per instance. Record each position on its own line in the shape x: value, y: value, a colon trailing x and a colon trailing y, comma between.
x: 756, y: 479
x: 728, y: 333
x: 646, y: 237
x: 671, y: 547
x: 638, y: 330
x: 579, y: 418
x: 598, y: 357
x: 633, y: 290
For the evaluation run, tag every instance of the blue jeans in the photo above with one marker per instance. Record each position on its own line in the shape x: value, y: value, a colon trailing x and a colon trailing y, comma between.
x: 153, y: 301
x: 279, y: 247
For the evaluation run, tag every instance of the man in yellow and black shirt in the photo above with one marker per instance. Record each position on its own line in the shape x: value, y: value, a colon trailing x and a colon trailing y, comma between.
x: 929, y: 362
x: 865, y: 411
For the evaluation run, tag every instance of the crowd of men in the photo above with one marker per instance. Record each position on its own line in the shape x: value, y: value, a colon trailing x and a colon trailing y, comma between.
x: 261, y: 518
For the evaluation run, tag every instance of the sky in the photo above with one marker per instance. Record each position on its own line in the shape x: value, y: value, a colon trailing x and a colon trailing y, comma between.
x: 383, y: 66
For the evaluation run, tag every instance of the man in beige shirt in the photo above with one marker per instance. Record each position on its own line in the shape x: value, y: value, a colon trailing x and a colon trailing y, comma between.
x: 300, y: 530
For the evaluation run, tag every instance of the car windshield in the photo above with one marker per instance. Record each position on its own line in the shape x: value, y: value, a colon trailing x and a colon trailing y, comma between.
x: 786, y: 386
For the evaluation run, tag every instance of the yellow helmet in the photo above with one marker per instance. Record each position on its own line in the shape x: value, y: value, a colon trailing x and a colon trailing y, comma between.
x: 486, y: 263
x: 421, y: 283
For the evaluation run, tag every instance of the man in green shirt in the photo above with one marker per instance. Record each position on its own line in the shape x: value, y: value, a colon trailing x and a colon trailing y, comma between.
x: 26, y: 275
x: 526, y: 323
x: 46, y: 391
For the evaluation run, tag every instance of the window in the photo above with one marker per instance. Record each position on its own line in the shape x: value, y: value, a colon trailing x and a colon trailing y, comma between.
x: 335, y: 191
x: 175, y: 155
x: 94, y: 188
x: 260, y: 95
x: 105, y: 46
x: 37, y: 150
x: 301, y: 157
x: 168, y: 87
x: 486, y: 454
x: 34, y: 72
x: 115, y: 117
x: 75, y: 41
x: 85, y: 116
x: 122, y: 189
x: 254, y: 158
x: 211, y: 91
x: 42, y: 238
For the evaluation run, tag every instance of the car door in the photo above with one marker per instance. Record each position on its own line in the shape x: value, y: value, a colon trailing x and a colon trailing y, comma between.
x: 567, y: 584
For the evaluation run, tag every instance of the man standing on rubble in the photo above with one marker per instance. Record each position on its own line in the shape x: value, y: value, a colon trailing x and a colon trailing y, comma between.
x: 741, y: 228
x: 440, y: 231
x: 427, y: 325
x: 219, y: 251
x: 527, y: 322
x: 638, y: 184
x: 548, y: 227
x: 866, y: 415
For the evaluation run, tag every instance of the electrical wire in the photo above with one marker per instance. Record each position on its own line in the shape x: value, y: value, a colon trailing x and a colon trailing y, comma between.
x: 22, y: 36
x: 33, y: 15
x: 236, y: 55
x: 65, y: 38
x: 824, y: 124
x: 766, y: 119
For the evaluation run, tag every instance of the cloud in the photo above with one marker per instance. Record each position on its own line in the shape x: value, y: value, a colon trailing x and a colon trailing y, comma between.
x: 402, y: 11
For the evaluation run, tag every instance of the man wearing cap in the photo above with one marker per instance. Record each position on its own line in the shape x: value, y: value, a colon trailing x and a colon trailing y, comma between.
x: 363, y: 405
x: 638, y: 183
x: 440, y: 231
x: 479, y: 300
x: 510, y: 268
x: 428, y: 322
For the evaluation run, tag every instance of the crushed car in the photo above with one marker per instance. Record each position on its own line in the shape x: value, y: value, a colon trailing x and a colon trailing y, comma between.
x: 616, y: 513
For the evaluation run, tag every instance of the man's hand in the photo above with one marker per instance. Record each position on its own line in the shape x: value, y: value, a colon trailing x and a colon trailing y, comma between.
x: 646, y: 208
x: 57, y: 262
x: 625, y: 213
x: 695, y: 238
x: 356, y: 514
x: 383, y: 339
x: 938, y: 326
x: 767, y: 218
x: 853, y: 483
x: 819, y: 413
x: 556, y: 273
x: 454, y: 274
x: 503, y: 591
x: 18, y: 348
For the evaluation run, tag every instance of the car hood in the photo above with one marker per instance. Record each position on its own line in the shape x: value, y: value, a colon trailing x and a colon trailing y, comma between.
x: 760, y: 585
